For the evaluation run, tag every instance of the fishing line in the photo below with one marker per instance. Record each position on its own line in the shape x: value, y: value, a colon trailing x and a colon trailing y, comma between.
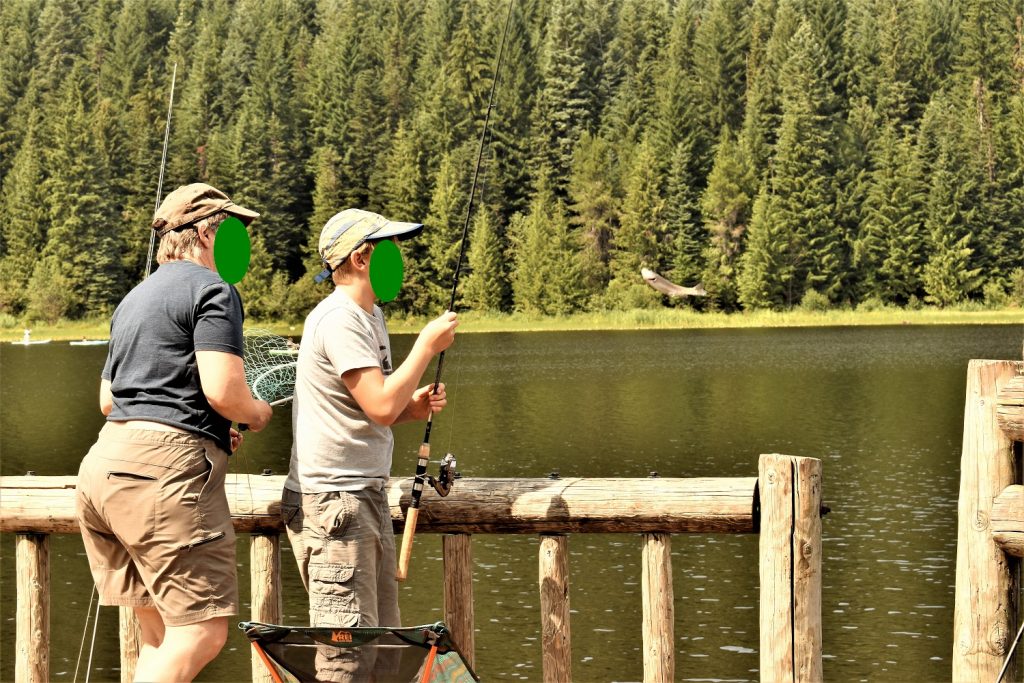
x: 443, y: 485
x: 163, y: 165
x: 92, y: 645
x: 85, y: 629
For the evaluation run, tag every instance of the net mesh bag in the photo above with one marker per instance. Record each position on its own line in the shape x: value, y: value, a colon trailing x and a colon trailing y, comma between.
x: 270, y: 366
x: 420, y: 654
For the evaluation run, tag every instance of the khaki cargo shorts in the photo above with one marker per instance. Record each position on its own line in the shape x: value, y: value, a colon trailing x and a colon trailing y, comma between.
x: 156, y: 524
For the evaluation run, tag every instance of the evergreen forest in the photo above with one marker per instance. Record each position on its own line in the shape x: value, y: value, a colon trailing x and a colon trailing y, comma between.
x: 781, y: 152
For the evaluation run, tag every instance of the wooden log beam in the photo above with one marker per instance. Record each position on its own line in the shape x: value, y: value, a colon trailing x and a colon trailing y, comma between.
x: 658, y: 609
x: 985, y: 614
x: 506, y: 506
x: 1007, y: 520
x: 555, y: 638
x: 32, y: 626
x: 790, y: 568
x: 265, y: 582
x: 458, y: 592
x: 1010, y: 406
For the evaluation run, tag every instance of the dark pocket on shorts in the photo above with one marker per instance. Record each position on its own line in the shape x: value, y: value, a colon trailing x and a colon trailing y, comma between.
x: 335, y: 512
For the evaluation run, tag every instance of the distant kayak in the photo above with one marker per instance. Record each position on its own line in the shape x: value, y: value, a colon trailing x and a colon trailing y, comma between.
x: 32, y: 342
x: 90, y: 342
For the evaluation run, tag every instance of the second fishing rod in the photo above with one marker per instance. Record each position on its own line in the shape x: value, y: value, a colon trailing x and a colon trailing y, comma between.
x: 444, y: 481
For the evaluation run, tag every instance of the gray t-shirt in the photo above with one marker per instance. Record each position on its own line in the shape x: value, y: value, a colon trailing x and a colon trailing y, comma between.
x: 336, y: 446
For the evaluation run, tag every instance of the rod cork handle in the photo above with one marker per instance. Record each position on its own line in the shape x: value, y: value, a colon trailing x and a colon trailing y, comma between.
x: 414, y: 509
x: 410, y: 531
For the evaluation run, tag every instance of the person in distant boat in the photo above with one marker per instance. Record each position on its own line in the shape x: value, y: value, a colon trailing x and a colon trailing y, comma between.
x: 347, y: 396
x: 150, y: 500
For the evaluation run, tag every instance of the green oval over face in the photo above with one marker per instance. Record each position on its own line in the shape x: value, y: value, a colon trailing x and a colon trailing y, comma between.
x: 386, y: 270
x: 231, y: 250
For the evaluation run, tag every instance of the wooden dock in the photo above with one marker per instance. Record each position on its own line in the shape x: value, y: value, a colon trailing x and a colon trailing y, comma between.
x: 782, y: 504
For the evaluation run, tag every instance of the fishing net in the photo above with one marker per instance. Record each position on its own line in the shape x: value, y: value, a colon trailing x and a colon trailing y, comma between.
x: 418, y: 654
x: 270, y: 366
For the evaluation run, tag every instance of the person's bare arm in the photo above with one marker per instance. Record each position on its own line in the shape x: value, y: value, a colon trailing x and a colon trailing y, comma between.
x: 106, y: 397
x: 384, y: 399
x: 223, y: 381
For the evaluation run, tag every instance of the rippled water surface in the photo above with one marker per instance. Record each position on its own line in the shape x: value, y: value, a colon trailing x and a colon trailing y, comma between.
x: 882, y: 407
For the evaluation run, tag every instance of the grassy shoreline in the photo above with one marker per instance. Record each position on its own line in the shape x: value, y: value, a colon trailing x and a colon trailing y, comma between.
x: 642, y: 319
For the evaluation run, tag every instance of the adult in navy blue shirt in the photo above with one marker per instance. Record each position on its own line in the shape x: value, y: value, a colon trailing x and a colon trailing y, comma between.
x: 150, y: 500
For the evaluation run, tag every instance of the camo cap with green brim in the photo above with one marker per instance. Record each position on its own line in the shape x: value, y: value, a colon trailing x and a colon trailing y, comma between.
x: 348, y: 230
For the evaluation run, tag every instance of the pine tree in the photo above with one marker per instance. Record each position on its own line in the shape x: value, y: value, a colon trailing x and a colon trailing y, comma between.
x: 546, y: 275
x: 797, y: 223
x: 888, y: 253
x: 594, y: 205
x: 23, y: 221
x: 638, y: 240
x: 81, y: 240
x: 726, y: 206
x: 720, y: 47
x: 264, y: 290
x: 561, y: 113
x: 487, y: 284
x: 446, y: 217
x: 18, y: 26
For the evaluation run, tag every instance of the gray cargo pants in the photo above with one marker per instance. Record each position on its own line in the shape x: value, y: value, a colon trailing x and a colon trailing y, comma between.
x: 345, y: 550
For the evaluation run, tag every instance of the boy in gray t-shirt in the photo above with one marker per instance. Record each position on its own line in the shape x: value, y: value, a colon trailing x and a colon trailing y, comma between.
x: 347, y: 395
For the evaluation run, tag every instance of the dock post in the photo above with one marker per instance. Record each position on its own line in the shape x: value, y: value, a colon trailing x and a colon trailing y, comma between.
x: 790, y: 568
x: 458, y: 592
x: 985, y: 614
x: 265, y: 576
x: 32, y: 629
x: 658, y: 610
x: 556, y: 644
x: 130, y: 638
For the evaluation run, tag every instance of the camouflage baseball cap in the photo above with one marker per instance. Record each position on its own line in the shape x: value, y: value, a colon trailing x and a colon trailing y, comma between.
x: 190, y: 203
x: 347, y: 230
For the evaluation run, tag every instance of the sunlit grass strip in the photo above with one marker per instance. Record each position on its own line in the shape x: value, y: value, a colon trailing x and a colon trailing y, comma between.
x: 640, y: 319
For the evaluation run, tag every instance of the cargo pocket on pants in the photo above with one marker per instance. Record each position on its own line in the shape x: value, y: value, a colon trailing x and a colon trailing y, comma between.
x: 332, y: 598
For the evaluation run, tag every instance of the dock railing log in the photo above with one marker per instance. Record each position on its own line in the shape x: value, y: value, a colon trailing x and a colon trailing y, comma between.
x: 783, y: 504
x: 990, y: 527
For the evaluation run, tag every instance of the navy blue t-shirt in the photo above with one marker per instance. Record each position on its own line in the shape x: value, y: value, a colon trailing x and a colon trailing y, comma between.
x: 154, y: 335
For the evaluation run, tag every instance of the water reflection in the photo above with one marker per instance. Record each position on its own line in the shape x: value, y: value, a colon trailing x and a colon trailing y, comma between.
x: 882, y: 407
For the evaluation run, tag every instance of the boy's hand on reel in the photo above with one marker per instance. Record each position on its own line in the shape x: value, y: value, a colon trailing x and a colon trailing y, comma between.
x: 424, y: 401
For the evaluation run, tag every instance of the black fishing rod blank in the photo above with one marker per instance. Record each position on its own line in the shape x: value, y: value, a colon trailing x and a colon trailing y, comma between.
x: 444, y: 482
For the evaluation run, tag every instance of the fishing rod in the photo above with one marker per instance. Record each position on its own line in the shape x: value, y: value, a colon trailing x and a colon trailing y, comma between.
x: 443, y: 483
x: 163, y: 165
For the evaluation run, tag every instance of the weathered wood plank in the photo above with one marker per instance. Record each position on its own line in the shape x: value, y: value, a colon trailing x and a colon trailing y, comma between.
x: 775, y: 549
x: 130, y: 637
x: 458, y: 592
x: 658, y: 609
x: 32, y: 626
x: 807, y: 569
x: 556, y: 641
x: 985, y: 604
x: 661, y: 505
x: 265, y: 580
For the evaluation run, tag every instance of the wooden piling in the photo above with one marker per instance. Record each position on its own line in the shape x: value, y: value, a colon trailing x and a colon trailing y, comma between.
x: 265, y: 575
x: 458, y: 592
x: 32, y: 628
x: 985, y: 613
x: 556, y: 644
x: 130, y: 637
x: 790, y: 566
x: 658, y: 609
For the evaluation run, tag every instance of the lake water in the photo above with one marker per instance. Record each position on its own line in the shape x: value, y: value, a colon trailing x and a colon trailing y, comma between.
x: 882, y: 408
